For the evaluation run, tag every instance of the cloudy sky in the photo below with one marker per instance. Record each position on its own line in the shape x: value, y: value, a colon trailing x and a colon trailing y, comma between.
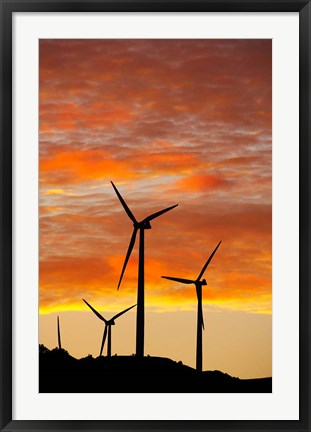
x: 184, y: 122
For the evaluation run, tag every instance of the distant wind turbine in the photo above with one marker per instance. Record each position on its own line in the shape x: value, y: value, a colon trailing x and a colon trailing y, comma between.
x: 141, y: 226
x: 58, y: 334
x: 200, y: 322
x: 108, y: 324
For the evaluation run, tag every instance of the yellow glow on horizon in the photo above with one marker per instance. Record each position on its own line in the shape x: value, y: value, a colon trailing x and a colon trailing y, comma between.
x: 264, y: 307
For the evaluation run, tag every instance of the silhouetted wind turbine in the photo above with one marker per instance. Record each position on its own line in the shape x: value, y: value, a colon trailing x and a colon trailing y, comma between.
x: 200, y: 323
x: 141, y: 226
x: 58, y: 334
x: 108, y: 324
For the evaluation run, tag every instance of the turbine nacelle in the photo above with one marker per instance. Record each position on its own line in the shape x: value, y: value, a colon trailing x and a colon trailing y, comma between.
x: 111, y: 322
x: 203, y: 282
x: 145, y: 224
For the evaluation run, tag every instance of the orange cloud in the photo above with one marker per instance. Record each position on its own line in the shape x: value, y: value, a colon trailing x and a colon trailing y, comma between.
x: 201, y: 182
x: 170, y: 121
x: 54, y: 192
x: 80, y: 165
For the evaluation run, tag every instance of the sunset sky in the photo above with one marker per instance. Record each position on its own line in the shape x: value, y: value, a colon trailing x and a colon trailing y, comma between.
x: 183, y: 122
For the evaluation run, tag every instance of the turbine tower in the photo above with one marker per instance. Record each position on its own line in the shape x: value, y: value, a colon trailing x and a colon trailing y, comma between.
x: 140, y: 226
x: 108, y: 324
x: 58, y: 335
x: 200, y: 322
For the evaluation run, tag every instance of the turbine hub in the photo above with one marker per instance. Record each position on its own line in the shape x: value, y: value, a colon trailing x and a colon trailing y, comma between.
x: 144, y: 225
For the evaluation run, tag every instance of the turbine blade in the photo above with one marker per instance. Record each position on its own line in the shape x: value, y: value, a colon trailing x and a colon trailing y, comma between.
x: 208, y: 261
x: 202, y: 320
x: 159, y: 213
x: 185, y: 281
x: 200, y: 309
x: 95, y: 311
x: 121, y: 313
x: 128, y: 254
x: 127, y: 210
x: 103, y: 341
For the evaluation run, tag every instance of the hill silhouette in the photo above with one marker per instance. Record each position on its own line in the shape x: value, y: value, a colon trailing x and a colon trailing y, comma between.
x: 59, y: 372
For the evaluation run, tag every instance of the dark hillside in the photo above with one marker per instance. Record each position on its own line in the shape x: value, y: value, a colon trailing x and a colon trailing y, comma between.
x: 61, y: 373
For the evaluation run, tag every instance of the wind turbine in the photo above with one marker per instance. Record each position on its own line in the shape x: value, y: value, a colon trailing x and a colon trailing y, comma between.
x: 140, y: 226
x: 108, y: 324
x: 200, y: 323
x: 58, y: 335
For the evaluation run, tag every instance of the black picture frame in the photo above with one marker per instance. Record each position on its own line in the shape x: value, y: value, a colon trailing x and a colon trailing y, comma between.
x: 9, y: 7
